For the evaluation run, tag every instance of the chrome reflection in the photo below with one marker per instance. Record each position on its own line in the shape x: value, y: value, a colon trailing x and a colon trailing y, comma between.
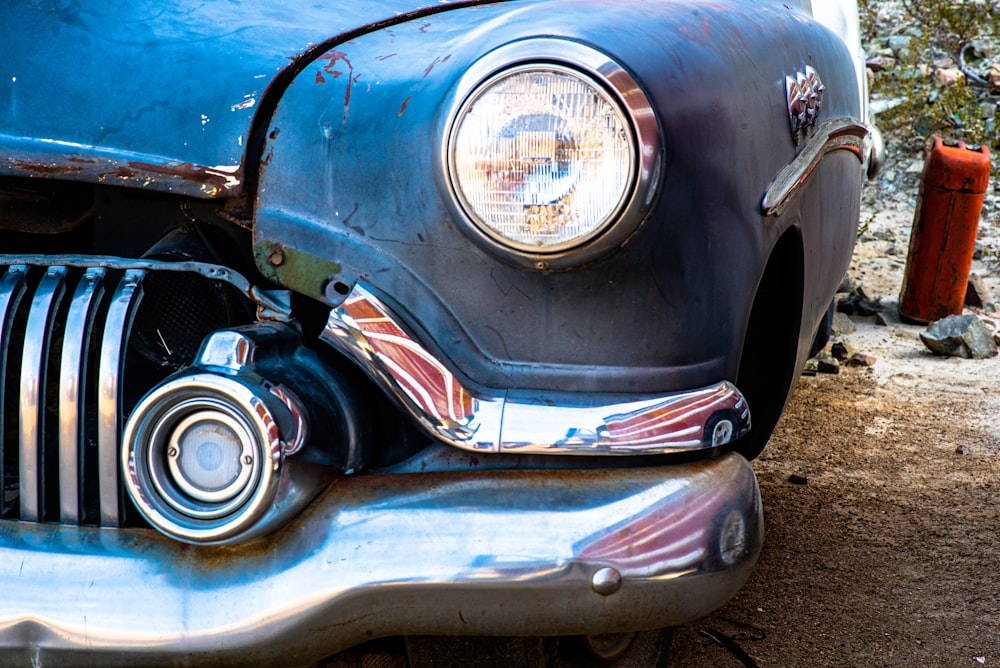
x: 363, y: 328
x: 31, y: 413
x: 112, y: 364
x: 72, y: 372
x: 519, y: 552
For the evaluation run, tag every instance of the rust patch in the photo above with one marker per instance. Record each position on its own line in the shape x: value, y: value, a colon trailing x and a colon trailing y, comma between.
x: 332, y: 59
x: 320, y: 79
x: 436, y: 61
x: 402, y: 107
x: 44, y: 170
x: 703, y: 37
x: 385, y: 57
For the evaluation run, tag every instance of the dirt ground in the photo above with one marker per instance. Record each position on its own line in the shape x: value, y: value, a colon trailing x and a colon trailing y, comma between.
x: 881, y: 499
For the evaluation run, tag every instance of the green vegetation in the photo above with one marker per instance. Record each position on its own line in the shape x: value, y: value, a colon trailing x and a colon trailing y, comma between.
x: 931, y: 32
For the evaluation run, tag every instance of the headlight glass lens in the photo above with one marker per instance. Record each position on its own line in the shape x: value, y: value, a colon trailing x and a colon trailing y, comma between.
x: 542, y: 158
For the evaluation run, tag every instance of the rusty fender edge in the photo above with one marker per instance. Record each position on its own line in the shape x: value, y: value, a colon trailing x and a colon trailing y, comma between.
x: 501, y: 552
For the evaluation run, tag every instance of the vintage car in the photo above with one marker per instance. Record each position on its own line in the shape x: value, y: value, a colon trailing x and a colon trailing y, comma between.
x: 332, y: 321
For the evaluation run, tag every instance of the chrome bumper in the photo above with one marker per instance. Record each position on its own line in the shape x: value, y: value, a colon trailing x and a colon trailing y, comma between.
x: 483, y: 552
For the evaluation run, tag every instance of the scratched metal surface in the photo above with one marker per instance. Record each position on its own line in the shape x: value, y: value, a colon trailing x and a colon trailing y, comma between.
x: 153, y: 94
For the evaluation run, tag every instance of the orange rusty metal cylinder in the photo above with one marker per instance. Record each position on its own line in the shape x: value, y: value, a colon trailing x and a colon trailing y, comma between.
x: 944, y: 230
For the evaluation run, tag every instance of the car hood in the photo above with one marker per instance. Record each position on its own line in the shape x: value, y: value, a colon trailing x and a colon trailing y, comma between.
x: 154, y: 93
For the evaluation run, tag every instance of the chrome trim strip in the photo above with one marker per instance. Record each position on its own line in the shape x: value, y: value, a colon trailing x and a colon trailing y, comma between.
x: 271, y: 304
x: 832, y: 135
x: 31, y: 407
x: 510, y: 552
x: 365, y: 330
x: 72, y: 372
x: 116, y: 329
x: 12, y: 288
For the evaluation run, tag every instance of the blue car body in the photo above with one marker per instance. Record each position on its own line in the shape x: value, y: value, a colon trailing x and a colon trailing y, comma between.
x: 275, y: 386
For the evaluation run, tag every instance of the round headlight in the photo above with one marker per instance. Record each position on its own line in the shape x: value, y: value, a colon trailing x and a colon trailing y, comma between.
x: 543, y: 158
x: 551, y: 149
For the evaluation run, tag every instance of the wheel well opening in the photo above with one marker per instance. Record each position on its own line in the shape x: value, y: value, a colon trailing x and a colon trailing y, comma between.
x: 767, y: 364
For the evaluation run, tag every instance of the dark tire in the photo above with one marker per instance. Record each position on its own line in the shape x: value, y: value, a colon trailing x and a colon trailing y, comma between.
x: 823, y: 331
x: 645, y: 649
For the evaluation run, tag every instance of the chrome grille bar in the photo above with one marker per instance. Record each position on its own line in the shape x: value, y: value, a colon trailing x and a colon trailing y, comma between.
x: 34, y: 368
x: 12, y: 287
x: 52, y: 335
x: 116, y: 329
x: 72, y: 388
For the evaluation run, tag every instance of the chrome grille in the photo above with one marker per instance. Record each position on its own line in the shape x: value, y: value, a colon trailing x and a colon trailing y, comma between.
x: 52, y: 318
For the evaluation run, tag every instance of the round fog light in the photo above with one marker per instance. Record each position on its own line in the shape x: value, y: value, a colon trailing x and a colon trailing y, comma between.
x: 202, y: 456
x: 210, y: 456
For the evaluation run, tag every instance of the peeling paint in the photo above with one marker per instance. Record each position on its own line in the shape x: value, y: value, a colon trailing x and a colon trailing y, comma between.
x: 45, y: 170
x: 249, y: 100
x: 332, y: 58
x: 436, y: 61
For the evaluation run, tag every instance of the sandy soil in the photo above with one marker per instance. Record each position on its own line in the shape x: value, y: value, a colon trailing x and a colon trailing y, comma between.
x: 882, y: 499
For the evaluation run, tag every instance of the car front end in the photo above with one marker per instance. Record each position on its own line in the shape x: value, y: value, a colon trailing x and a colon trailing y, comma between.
x: 400, y: 320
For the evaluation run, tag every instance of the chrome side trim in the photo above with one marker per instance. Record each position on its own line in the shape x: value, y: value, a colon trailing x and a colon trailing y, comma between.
x: 501, y: 553
x: 271, y: 304
x: 72, y: 372
x: 832, y: 135
x: 31, y: 408
x: 365, y: 330
x: 109, y: 429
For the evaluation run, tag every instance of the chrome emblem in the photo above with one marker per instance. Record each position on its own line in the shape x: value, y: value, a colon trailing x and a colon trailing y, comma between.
x: 805, y: 97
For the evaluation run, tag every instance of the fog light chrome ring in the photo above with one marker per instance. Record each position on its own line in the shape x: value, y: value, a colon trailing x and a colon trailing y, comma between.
x: 202, y: 456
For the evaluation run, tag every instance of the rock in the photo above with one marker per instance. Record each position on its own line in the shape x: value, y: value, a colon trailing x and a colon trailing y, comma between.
x: 857, y: 304
x: 880, y: 320
x: 960, y: 336
x: 841, y: 350
x: 881, y: 63
x: 860, y: 359
x: 948, y: 76
x: 980, y: 48
x: 827, y: 363
x: 977, y: 295
x: 943, y: 63
x: 899, y: 43
x: 842, y: 324
x: 811, y: 367
x: 993, y: 78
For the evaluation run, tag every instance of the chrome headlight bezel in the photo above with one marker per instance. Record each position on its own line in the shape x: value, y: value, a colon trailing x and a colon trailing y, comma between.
x: 617, y: 87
